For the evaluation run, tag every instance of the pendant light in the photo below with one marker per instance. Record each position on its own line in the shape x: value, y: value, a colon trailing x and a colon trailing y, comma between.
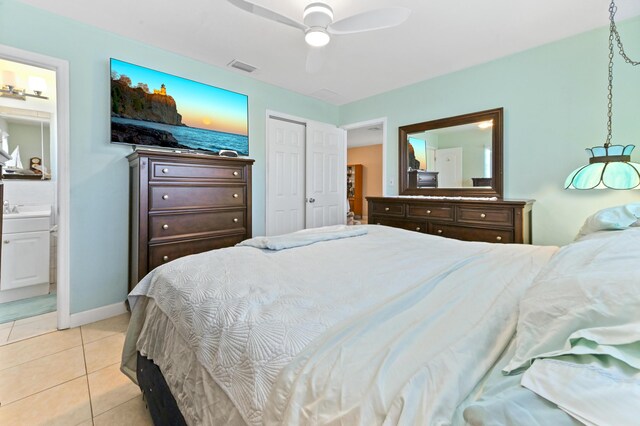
x: 610, y: 165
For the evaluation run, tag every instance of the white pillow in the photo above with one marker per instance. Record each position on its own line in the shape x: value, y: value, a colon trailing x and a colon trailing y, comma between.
x: 594, y: 282
x: 614, y: 218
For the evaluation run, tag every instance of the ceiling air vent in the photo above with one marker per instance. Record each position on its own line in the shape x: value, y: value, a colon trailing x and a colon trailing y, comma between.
x: 242, y: 66
x: 327, y: 96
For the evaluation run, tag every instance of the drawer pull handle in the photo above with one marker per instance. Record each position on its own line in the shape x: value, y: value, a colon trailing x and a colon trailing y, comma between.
x: 235, y: 220
x: 165, y: 226
x: 418, y: 228
x: 428, y: 211
x: 165, y: 197
x: 165, y: 171
x: 499, y: 238
x: 165, y: 258
x: 235, y: 173
x: 235, y: 195
x: 439, y: 231
x: 482, y: 215
x: 386, y: 209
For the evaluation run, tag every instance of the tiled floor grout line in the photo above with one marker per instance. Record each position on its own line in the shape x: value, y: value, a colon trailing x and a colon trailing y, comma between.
x: 10, y: 331
x: 116, y: 406
x: 40, y: 391
x: 35, y: 359
x: 86, y: 372
x: 9, y: 342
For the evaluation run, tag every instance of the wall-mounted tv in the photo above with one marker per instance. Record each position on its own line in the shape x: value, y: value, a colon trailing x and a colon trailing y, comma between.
x: 155, y: 109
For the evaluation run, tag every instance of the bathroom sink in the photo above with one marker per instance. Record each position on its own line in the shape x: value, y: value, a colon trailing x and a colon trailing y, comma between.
x: 29, y: 211
x: 27, y: 219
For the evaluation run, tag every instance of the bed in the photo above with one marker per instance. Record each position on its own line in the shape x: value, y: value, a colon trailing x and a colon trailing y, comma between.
x: 381, y: 326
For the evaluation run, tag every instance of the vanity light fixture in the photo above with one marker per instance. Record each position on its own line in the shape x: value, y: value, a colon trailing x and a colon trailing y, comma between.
x: 610, y: 165
x: 8, y: 90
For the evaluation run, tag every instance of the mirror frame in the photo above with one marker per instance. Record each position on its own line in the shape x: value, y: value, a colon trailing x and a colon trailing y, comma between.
x: 496, y: 189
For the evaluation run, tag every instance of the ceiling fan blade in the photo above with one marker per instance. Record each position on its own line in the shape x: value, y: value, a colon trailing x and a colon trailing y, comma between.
x: 267, y: 13
x: 376, y: 19
x: 316, y: 57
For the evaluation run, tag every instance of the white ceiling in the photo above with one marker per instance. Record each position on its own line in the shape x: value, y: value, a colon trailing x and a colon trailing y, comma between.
x: 364, y: 136
x: 440, y: 36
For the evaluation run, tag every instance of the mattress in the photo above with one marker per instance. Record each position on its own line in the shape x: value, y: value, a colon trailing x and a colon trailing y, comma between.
x: 251, y: 336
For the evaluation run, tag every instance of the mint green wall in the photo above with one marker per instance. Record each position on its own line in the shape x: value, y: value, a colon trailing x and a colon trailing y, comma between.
x: 554, y: 99
x: 99, y: 170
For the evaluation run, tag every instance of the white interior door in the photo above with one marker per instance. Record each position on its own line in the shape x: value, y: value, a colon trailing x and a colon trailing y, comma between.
x: 449, y: 167
x: 285, y: 176
x: 326, y: 182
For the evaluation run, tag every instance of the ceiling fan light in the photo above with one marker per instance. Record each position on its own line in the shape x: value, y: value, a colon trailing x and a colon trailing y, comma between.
x: 317, y: 15
x: 317, y: 37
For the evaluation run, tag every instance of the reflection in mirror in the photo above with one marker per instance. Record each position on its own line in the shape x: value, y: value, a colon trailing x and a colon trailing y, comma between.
x: 28, y: 143
x: 453, y: 156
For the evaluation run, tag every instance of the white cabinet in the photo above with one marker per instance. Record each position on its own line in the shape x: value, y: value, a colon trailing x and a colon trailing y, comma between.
x: 25, y: 259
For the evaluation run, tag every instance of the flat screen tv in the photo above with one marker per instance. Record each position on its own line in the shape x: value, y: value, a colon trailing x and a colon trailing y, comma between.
x: 154, y: 109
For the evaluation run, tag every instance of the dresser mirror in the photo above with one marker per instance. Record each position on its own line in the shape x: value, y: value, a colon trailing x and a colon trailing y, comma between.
x: 454, y: 156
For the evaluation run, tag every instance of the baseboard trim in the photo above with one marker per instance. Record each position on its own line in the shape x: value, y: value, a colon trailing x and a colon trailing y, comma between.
x: 97, y: 314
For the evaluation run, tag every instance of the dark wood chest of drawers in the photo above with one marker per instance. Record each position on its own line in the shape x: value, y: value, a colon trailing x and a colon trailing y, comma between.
x: 501, y: 221
x: 184, y: 204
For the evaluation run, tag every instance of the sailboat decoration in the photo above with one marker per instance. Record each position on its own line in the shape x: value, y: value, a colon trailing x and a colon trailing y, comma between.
x: 15, y: 162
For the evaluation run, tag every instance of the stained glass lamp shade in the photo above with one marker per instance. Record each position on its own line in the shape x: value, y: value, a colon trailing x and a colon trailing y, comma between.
x: 609, y: 167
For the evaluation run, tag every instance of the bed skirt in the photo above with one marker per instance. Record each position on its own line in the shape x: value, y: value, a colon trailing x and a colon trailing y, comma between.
x: 161, y: 403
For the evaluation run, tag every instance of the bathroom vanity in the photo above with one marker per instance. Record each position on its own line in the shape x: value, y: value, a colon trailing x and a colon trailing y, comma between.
x: 25, y: 252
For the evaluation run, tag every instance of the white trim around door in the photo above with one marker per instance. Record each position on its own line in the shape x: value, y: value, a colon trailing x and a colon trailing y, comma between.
x: 61, y: 68
x: 383, y: 122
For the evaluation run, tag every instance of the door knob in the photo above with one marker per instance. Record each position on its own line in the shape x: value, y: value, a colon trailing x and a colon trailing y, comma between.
x: 165, y: 171
x: 165, y: 258
x: 439, y: 231
x: 235, y: 195
x: 482, y: 215
x: 235, y: 220
x: 165, y: 226
x: 165, y: 197
x: 235, y: 173
x: 6, y: 241
x: 312, y: 200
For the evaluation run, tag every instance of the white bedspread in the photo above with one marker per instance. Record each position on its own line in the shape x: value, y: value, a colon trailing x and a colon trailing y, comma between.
x: 305, y: 237
x: 416, y: 321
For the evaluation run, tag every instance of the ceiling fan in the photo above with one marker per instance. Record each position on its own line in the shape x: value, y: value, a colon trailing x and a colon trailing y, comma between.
x: 318, y: 25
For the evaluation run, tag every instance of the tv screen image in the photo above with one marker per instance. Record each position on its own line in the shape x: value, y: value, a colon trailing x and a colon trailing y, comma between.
x: 152, y: 108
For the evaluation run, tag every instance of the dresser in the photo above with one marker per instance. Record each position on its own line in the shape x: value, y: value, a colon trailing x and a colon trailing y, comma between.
x: 501, y: 221
x: 184, y: 204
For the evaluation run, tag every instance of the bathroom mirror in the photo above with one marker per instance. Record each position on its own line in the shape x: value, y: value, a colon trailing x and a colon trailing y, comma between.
x: 27, y: 140
x: 454, y: 156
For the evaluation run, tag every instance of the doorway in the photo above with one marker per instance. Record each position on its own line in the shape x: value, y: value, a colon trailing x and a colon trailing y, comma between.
x: 34, y: 269
x: 366, y: 143
x: 305, y: 166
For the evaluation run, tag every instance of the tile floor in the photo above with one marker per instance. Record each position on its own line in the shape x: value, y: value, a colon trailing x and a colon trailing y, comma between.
x: 68, y: 378
x: 14, y: 331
